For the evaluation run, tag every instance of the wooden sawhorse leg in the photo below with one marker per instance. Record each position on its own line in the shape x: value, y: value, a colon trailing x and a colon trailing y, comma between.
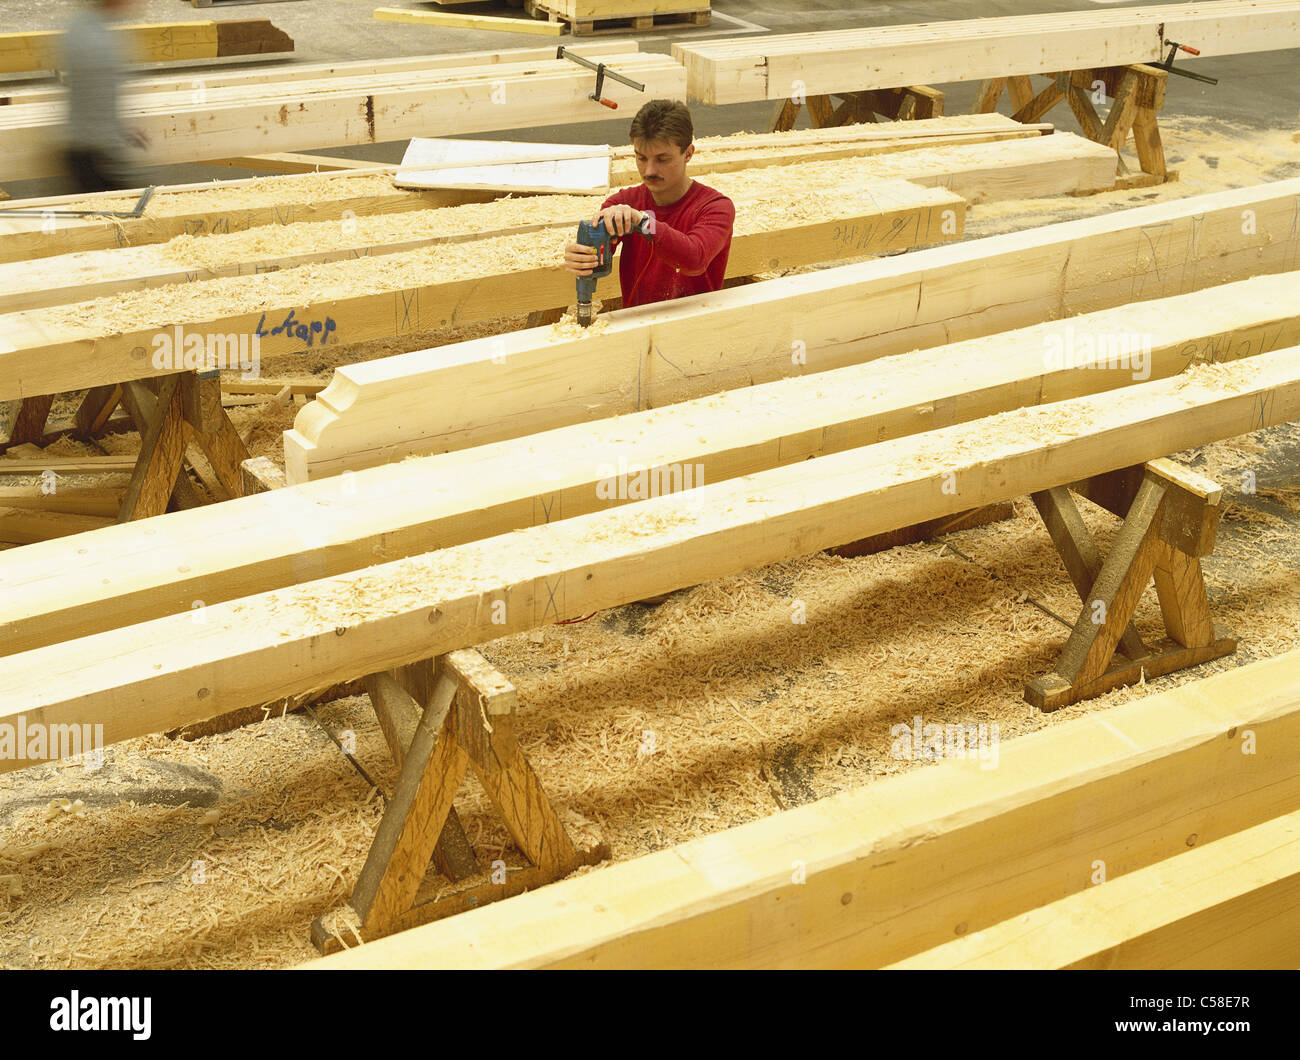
x: 466, y: 721
x: 1170, y: 519
x: 896, y: 104
x: 184, y: 410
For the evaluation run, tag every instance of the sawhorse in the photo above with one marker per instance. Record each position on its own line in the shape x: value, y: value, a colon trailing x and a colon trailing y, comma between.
x: 1171, y: 516
x: 893, y: 104
x: 440, y: 717
x: 172, y: 413
x: 1138, y: 93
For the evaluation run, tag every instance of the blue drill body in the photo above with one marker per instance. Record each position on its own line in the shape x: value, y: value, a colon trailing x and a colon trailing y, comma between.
x: 598, y: 238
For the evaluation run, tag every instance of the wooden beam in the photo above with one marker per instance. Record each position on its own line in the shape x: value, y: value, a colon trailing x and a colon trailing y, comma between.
x: 66, y: 465
x: 235, y: 206
x: 161, y: 42
x: 744, y: 69
x: 38, y: 356
x: 1061, y: 164
x: 759, y: 332
x: 873, y: 875
x: 23, y: 526
x: 446, y: 20
x: 260, y: 648
x: 342, y: 523
x: 73, y: 500
x: 306, y: 114
x: 278, y: 74
x: 289, y: 162
x: 1232, y: 903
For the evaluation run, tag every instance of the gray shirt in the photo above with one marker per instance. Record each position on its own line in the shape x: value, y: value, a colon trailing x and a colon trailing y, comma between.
x: 94, y: 65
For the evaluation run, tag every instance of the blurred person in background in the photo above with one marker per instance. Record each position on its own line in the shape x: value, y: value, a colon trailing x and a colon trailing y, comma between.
x: 98, y: 142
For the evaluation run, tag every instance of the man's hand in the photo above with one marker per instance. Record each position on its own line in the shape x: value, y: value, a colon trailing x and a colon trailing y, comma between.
x: 619, y: 220
x: 579, y: 260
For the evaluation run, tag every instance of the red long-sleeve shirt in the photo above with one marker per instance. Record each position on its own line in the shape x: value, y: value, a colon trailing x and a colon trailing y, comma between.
x: 687, y: 253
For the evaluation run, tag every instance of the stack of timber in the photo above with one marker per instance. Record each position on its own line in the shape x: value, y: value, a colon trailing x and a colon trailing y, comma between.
x: 744, y: 69
x: 655, y: 355
x: 256, y: 649
x: 298, y: 115
x: 157, y: 43
x: 961, y: 866
x: 517, y: 543
x: 609, y: 16
x: 233, y: 206
x: 1042, y: 166
x: 335, y: 525
x: 78, y: 345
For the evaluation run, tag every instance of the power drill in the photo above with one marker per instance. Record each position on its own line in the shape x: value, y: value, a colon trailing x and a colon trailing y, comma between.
x: 598, y: 238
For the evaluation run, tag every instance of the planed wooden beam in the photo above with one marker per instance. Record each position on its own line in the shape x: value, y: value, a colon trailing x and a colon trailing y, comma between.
x: 447, y: 20
x: 343, y: 523
x: 744, y: 69
x: 260, y: 648
x: 160, y: 42
x: 22, y: 526
x: 911, y: 862
x: 1231, y: 903
x: 41, y: 353
x: 656, y: 355
x: 1062, y: 164
x: 306, y: 114
x: 278, y: 74
x: 235, y: 206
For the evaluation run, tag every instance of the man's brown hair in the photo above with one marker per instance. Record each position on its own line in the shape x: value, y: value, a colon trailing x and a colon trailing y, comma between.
x: 663, y: 119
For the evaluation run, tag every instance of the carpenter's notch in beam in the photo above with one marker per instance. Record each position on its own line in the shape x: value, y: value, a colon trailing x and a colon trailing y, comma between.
x: 602, y: 71
x: 1168, y: 64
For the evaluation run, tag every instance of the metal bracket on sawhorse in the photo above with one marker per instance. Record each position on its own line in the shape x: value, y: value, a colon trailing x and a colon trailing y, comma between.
x: 1138, y: 93
x: 440, y: 718
x: 893, y: 104
x: 1171, y: 515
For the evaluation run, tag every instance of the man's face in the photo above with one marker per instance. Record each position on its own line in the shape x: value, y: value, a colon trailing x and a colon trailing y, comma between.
x: 662, y: 165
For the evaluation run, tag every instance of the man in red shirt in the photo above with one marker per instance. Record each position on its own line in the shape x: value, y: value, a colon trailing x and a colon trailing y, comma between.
x: 675, y: 232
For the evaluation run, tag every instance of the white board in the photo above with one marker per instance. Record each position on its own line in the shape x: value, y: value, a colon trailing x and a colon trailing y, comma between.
x: 505, y: 165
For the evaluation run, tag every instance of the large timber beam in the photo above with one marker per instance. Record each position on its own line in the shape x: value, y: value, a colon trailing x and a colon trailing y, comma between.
x: 343, y: 111
x: 744, y: 69
x: 1042, y: 166
x: 260, y: 648
x: 1231, y: 903
x: 278, y: 74
x: 338, y: 524
x: 355, y: 300
x: 254, y: 544
x: 656, y: 355
x: 236, y: 206
x: 157, y: 43
x: 908, y: 863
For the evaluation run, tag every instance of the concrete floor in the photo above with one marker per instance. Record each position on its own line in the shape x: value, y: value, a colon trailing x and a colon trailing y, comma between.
x: 1259, y: 91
